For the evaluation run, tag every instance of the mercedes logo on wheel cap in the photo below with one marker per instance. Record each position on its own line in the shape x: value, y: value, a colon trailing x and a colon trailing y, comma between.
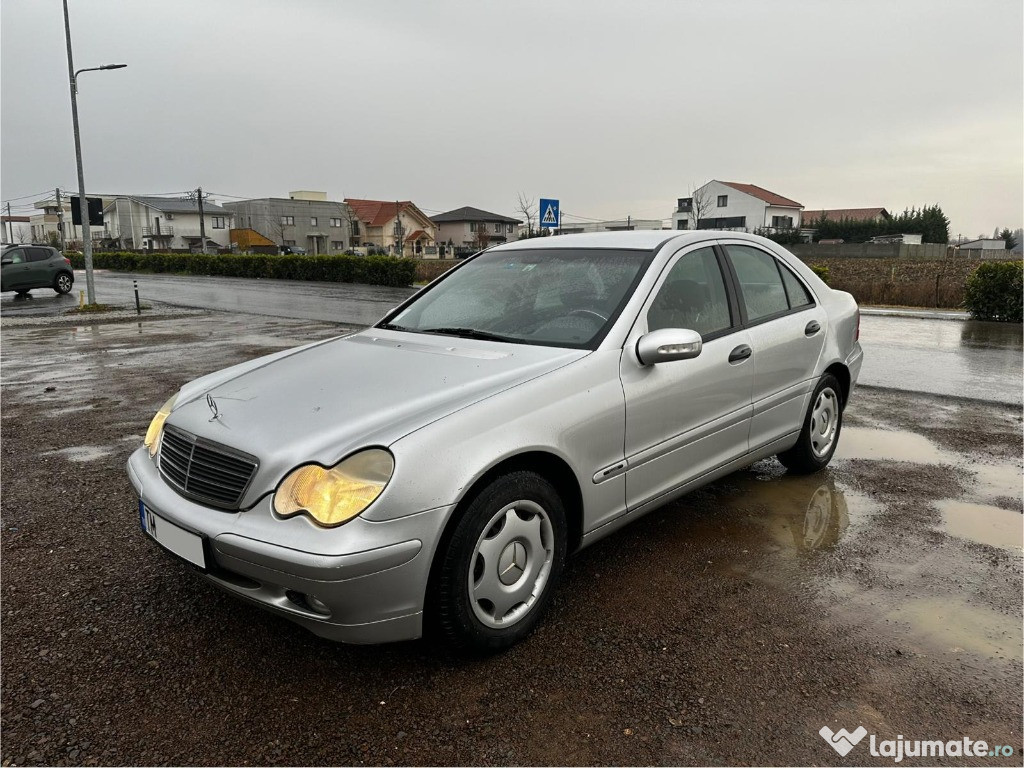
x: 512, y: 563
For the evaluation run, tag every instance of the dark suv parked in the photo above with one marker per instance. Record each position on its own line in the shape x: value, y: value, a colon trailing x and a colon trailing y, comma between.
x: 24, y: 267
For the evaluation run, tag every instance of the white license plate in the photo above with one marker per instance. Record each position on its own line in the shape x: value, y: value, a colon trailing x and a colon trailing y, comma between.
x: 184, y: 544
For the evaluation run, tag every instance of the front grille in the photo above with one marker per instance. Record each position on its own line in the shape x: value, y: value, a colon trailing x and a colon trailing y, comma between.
x: 205, y: 470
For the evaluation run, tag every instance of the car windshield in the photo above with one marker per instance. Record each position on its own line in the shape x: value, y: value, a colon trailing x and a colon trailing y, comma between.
x: 554, y: 297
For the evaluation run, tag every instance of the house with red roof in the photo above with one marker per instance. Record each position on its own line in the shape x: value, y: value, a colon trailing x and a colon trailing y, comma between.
x: 736, y: 206
x: 399, y: 227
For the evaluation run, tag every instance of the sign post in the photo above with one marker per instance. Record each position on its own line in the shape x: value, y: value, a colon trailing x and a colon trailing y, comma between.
x: 550, y: 217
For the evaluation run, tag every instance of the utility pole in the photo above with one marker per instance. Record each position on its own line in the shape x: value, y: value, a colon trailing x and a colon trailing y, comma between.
x: 60, y: 220
x: 202, y: 218
x: 83, y: 204
x: 10, y: 225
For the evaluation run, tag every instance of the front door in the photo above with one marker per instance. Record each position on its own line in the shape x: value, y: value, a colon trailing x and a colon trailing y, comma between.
x: 787, y: 332
x: 16, y: 272
x: 687, y: 417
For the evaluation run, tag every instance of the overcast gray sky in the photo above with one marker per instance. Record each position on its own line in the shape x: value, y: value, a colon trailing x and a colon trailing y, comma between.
x: 615, y: 108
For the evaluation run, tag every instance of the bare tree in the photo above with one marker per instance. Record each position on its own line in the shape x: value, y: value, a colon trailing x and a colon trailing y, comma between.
x: 22, y: 235
x: 483, y: 238
x: 528, y: 207
x: 700, y: 204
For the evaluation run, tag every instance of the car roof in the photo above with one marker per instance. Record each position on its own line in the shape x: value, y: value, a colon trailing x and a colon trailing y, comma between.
x: 643, y: 239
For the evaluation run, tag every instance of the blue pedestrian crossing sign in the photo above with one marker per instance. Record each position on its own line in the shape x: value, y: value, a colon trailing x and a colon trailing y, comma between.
x: 549, y: 213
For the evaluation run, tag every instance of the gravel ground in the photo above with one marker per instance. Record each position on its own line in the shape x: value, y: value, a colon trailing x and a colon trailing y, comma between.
x: 726, y: 628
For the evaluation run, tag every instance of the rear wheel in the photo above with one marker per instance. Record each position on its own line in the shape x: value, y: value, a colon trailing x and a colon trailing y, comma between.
x: 497, y: 573
x: 63, y: 282
x: 820, y: 433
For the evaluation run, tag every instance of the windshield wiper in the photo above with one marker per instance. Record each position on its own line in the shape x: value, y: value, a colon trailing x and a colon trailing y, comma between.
x: 394, y: 327
x: 469, y: 333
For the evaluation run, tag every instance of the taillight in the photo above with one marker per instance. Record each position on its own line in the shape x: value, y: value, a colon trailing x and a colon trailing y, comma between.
x: 67, y: 261
x: 856, y: 334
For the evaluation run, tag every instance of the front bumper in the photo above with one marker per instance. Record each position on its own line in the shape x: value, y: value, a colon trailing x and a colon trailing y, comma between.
x: 368, y: 577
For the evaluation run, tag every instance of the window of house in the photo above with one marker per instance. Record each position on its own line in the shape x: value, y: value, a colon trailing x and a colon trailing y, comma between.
x: 335, y: 222
x: 355, y: 228
x: 760, y: 281
x: 782, y: 222
x: 508, y: 228
x: 218, y: 222
x: 683, y: 224
x: 723, y: 200
x: 312, y: 221
x: 472, y: 226
x: 337, y: 245
x: 693, y: 296
x: 289, y: 242
x: 498, y: 228
x: 288, y: 221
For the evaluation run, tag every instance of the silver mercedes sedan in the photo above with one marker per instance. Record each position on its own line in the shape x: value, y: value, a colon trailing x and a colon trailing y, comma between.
x: 433, y: 472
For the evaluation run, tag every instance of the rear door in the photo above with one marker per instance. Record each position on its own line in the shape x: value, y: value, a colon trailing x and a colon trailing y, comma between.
x: 787, y: 332
x: 686, y: 417
x: 42, y: 268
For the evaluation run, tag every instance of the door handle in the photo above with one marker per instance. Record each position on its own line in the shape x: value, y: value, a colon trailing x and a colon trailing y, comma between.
x: 741, y: 353
x: 812, y: 328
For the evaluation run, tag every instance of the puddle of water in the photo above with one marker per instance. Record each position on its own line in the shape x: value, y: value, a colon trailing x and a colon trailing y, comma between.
x: 996, y: 480
x: 996, y: 527
x: 82, y: 453
x: 950, y: 623
x: 883, y: 444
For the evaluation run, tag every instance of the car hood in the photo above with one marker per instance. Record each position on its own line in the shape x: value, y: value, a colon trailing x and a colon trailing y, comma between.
x: 321, y: 402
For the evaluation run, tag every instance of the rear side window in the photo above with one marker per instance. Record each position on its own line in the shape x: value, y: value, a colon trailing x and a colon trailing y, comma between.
x: 795, y: 290
x: 760, y: 282
x: 38, y: 254
x: 692, y: 296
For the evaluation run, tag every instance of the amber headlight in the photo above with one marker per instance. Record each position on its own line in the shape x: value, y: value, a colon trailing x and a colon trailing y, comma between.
x: 334, y: 496
x: 156, y: 426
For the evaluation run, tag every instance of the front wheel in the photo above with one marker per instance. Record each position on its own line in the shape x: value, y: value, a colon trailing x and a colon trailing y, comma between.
x: 820, y: 432
x: 497, y: 573
x: 63, y: 283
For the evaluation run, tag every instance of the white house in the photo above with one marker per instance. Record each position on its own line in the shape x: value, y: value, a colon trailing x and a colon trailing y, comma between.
x: 984, y: 244
x: 165, y: 224
x: 737, y: 207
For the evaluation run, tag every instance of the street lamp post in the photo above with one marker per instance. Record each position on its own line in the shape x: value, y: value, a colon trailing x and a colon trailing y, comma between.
x: 83, y: 205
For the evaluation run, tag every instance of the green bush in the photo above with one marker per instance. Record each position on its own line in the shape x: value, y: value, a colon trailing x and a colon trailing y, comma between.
x: 994, y: 292
x: 821, y: 271
x: 375, y: 270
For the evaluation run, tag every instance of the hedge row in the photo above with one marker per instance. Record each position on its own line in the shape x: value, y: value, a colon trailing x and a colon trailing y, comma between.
x: 374, y: 270
x: 994, y: 292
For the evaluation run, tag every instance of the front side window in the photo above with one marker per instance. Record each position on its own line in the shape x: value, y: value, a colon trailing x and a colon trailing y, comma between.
x: 760, y: 281
x: 555, y: 297
x: 693, y: 296
x: 723, y: 201
x: 16, y: 255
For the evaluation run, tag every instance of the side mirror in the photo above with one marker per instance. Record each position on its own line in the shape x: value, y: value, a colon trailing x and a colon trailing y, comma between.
x: 6, y: 261
x: 668, y: 344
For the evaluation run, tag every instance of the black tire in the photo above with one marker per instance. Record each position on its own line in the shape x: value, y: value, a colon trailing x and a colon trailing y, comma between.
x: 23, y: 291
x: 63, y: 282
x: 455, y: 613
x: 804, y: 458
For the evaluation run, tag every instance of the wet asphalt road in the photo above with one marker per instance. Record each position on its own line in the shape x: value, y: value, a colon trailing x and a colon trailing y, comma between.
x: 962, y: 358
x: 726, y: 628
